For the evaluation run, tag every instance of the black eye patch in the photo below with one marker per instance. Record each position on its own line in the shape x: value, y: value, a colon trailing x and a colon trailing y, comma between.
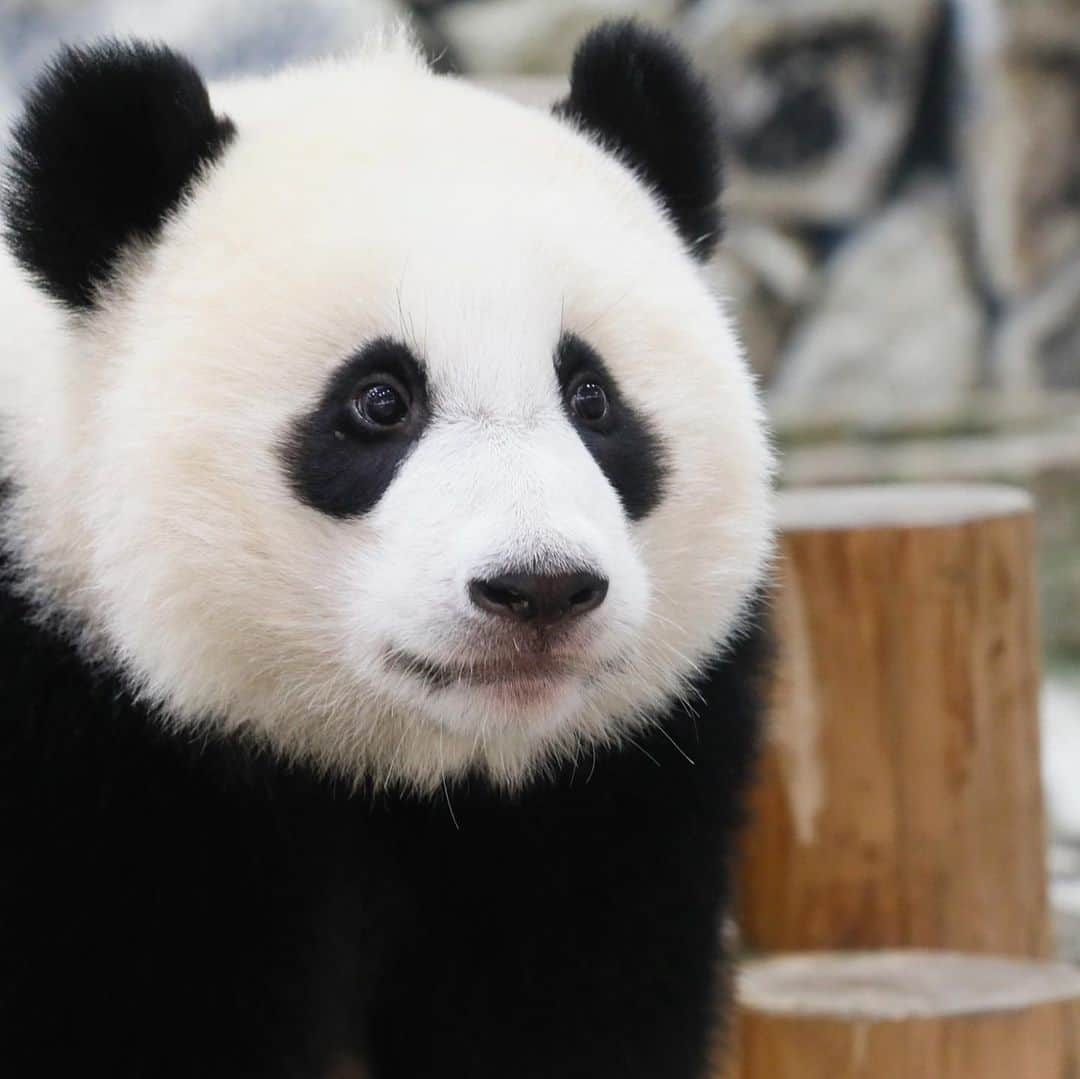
x: 622, y: 441
x: 342, y: 455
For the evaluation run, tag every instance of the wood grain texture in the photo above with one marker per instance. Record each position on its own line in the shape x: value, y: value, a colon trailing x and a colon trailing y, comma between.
x: 906, y: 1016
x: 900, y: 802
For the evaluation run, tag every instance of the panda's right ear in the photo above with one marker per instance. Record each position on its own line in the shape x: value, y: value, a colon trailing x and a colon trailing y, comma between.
x: 635, y: 91
x: 110, y: 138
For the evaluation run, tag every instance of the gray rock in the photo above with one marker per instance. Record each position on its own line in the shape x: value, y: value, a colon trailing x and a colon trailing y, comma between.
x: 1037, y: 348
x: 246, y: 36
x: 532, y: 36
x: 1043, y: 456
x: 535, y: 91
x: 1027, y: 25
x: 1066, y: 921
x: 895, y: 341
x: 816, y: 97
x: 223, y: 37
x: 1061, y: 771
x: 1057, y: 493
x: 1061, y: 763
x: 1019, y: 134
x: 765, y: 275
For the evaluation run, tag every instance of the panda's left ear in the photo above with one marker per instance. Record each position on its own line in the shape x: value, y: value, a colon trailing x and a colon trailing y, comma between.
x: 110, y: 138
x: 636, y: 91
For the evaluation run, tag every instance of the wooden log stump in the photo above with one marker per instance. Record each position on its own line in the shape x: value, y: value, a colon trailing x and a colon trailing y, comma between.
x: 900, y: 802
x: 906, y: 1015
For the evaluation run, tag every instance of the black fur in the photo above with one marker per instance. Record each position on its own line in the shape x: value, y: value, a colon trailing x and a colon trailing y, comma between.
x: 110, y: 138
x: 637, y: 92
x: 335, y: 465
x: 178, y: 910
x: 625, y: 446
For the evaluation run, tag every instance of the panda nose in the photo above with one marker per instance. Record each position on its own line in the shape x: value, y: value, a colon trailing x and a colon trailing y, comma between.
x: 540, y: 598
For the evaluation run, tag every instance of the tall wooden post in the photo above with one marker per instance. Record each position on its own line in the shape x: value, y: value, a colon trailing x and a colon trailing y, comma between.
x: 900, y: 802
x: 900, y: 805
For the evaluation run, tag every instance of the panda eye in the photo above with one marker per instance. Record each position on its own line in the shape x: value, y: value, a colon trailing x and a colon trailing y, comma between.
x: 382, y: 404
x: 589, y: 401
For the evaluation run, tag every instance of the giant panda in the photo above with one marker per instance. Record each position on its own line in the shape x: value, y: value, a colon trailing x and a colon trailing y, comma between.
x: 386, y: 507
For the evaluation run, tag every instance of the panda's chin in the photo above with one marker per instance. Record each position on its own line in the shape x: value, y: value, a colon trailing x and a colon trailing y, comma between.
x: 524, y: 690
x: 532, y: 709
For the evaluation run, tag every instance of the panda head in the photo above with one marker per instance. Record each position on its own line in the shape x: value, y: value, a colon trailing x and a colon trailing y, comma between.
x: 388, y: 420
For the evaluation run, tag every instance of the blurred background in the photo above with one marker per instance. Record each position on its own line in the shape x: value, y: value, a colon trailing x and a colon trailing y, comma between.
x: 903, y: 231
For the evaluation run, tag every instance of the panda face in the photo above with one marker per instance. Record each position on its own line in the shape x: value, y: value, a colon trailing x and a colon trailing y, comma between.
x: 413, y: 443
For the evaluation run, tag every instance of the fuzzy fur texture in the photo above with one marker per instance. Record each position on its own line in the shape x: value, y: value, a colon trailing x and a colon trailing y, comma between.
x: 277, y: 798
x: 180, y: 910
x: 109, y: 139
x: 635, y: 92
x: 364, y: 199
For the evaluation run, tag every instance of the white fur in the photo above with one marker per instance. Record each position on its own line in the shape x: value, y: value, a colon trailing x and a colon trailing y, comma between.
x: 364, y: 198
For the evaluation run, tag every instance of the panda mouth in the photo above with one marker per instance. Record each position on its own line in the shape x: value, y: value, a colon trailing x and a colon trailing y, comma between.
x: 525, y: 668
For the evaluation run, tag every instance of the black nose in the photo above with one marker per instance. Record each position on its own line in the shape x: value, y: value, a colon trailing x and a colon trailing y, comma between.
x: 535, y: 597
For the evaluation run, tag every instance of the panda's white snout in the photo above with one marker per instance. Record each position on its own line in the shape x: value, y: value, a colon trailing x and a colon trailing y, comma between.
x: 513, y: 581
x: 539, y: 599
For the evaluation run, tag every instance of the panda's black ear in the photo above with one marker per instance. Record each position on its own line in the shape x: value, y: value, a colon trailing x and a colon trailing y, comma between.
x: 636, y: 91
x: 109, y: 139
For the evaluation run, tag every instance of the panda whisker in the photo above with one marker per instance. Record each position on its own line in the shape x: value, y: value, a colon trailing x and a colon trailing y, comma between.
x: 450, y: 805
x: 606, y: 311
x: 679, y: 749
x: 592, y: 766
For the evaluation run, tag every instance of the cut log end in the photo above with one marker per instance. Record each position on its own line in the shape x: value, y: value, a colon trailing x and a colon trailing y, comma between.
x: 898, y: 1015
x: 899, y: 985
x: 897, y: 506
